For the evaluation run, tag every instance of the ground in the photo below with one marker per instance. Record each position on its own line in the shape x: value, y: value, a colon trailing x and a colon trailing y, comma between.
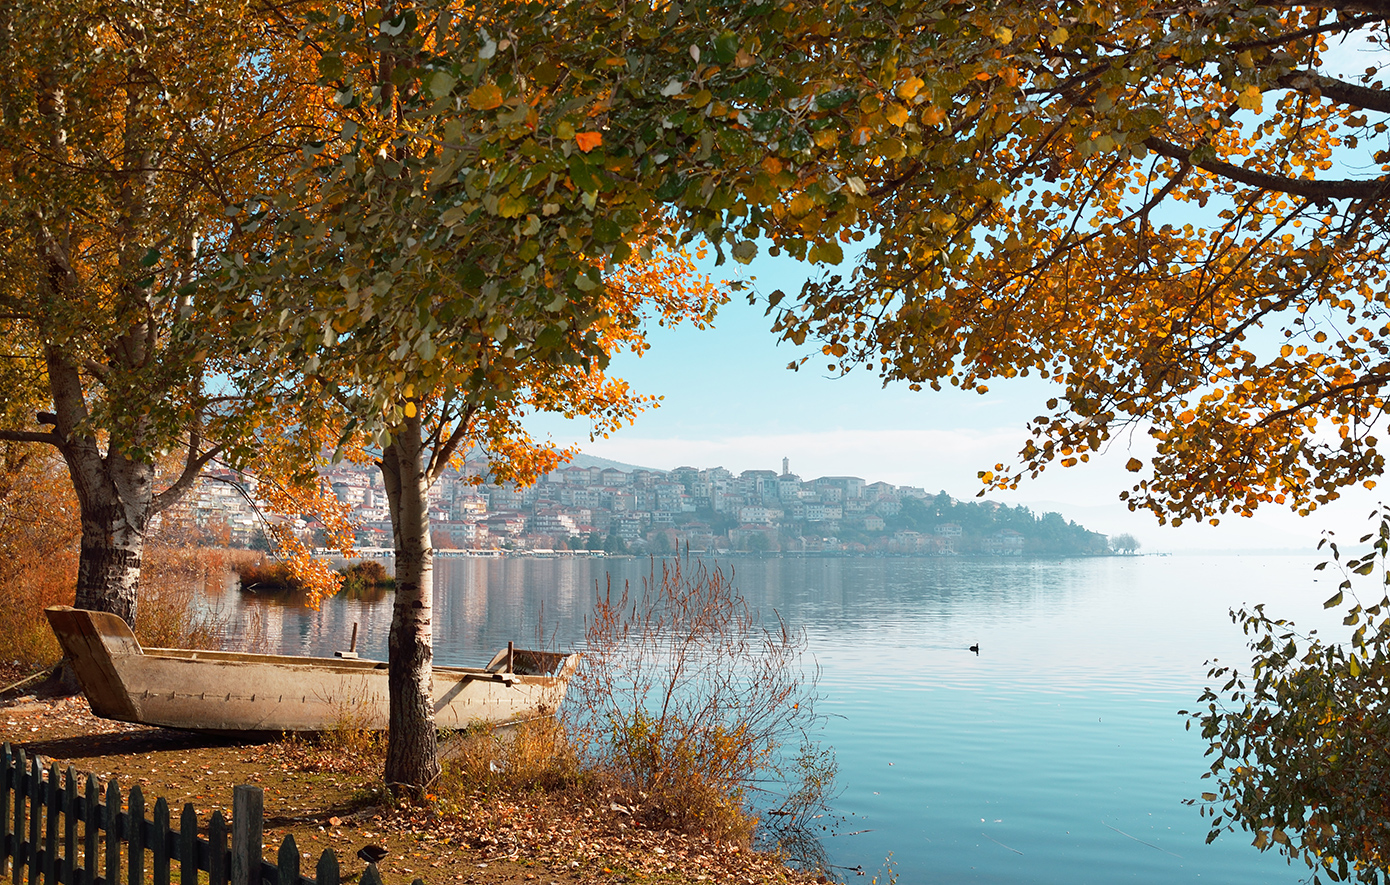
x: 524, y: 838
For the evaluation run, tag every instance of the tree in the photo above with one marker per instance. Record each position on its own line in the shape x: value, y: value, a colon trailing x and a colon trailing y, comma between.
x: 1175, y: 212
x: 1178, y: 214
x: 481, y: 230
x: 126, y: 132
x: 1125, y: 543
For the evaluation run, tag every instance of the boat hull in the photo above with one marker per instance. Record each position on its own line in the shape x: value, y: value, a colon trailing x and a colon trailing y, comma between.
x: 233, y: 692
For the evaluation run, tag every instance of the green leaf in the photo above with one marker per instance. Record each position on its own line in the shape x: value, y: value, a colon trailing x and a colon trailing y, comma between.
x: 1335, y: 601
x: 744, y: 251
x: 150, y: 259
x: 442, y: 83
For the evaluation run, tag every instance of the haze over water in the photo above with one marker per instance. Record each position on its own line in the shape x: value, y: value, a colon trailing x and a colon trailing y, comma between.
x: 1055, y: 755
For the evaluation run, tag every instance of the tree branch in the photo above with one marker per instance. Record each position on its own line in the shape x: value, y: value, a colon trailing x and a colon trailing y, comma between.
x: 1340, y: 189
x: 1338, y: 90
x: 1364, y: 381
x: 191, y: 468
x: 33, y: 436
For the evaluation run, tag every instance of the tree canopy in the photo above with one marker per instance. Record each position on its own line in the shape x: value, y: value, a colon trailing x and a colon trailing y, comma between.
x: 126, y: 130
x: 1175, y: 212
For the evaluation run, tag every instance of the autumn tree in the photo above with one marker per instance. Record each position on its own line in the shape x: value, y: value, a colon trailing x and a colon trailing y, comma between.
x: 127, y: 132
x: 1177, y: 213
x: 497, y: 174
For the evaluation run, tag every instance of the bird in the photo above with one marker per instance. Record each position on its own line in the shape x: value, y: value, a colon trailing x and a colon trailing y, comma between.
x: 975, y: 648
x: 371, y: 853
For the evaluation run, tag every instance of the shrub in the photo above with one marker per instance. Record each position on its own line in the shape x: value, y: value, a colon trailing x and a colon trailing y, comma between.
x: 699, y: 712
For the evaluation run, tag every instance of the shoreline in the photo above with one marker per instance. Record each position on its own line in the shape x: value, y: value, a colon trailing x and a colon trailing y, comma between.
x: 325, y: 800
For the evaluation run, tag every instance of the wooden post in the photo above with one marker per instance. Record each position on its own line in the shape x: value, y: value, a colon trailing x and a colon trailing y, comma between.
x: 248, y: 809
x: 217, y: 849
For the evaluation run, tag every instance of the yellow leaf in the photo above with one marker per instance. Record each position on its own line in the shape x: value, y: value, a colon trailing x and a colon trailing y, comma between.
x: 1134, y: 465
x: 485, y: 97
x: 1059, y: 36
x: 410, y: 410
x: 908, y: 89
x: 897, y: 115
x: 1252, y: 99
x: 933, y: 115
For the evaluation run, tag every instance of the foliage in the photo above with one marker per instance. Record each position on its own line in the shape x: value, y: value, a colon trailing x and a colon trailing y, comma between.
x: 1048, y: 534
x: 1299, y: 742
x: 127, y: 132
x: 693, y: 706
x: 1175, y: 212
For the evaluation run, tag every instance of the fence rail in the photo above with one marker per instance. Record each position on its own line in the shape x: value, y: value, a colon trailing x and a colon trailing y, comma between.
x: 50, y: 830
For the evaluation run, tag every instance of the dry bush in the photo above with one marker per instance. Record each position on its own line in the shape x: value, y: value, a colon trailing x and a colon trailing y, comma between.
x: 697, y: 711
x: 39, y: 532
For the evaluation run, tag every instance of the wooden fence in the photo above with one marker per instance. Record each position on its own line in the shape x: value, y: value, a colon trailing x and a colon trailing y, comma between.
x: 50, y: 830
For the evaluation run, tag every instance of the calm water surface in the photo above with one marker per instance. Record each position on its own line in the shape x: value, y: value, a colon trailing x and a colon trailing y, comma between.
x: 1055, y: 755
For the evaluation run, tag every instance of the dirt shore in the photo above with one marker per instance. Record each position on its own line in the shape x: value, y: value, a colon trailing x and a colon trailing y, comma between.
x: 528, y: 838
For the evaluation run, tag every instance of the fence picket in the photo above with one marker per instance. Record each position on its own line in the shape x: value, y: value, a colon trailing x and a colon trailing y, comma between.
x: 188, y: 845
x: 91, y: 827
x: 287, y: 861
x: 50, y: 824
x: 217, y: 849
x: 35, y: 816
x: 111, y: 823
x: 326, y: 873
x: 20, y: 795
x: 67, y: 861
x: 135, y: 842
x: 159, y: 842
x: 36, y: 846
x: 6, y: 781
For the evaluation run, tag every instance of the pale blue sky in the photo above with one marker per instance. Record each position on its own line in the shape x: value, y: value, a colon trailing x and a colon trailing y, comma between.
x: 730, y: 401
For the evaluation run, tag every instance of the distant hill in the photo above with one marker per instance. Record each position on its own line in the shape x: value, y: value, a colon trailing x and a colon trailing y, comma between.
x: 980, y: 522
x: 583, y: 460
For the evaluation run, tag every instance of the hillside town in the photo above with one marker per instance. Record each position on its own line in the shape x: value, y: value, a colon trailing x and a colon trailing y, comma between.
x: 703, y: 510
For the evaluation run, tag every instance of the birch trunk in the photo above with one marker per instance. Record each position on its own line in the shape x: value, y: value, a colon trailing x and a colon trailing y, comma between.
x: 412, y: 743
x: 115, y: 495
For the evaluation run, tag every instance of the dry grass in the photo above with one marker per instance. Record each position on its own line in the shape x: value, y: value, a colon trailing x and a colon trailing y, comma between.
x: 533, y: 755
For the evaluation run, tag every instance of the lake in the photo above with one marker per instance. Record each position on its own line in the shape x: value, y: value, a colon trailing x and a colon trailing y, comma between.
x: 1054, y: 755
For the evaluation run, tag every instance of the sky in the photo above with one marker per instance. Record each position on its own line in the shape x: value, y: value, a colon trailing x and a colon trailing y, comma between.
x: 729, y: 401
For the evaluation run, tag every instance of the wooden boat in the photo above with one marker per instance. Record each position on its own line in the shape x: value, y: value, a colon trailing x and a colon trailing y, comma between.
x: 231, y: 692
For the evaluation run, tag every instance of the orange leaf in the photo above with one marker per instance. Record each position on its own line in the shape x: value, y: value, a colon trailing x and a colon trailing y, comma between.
x: 587, y: 141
